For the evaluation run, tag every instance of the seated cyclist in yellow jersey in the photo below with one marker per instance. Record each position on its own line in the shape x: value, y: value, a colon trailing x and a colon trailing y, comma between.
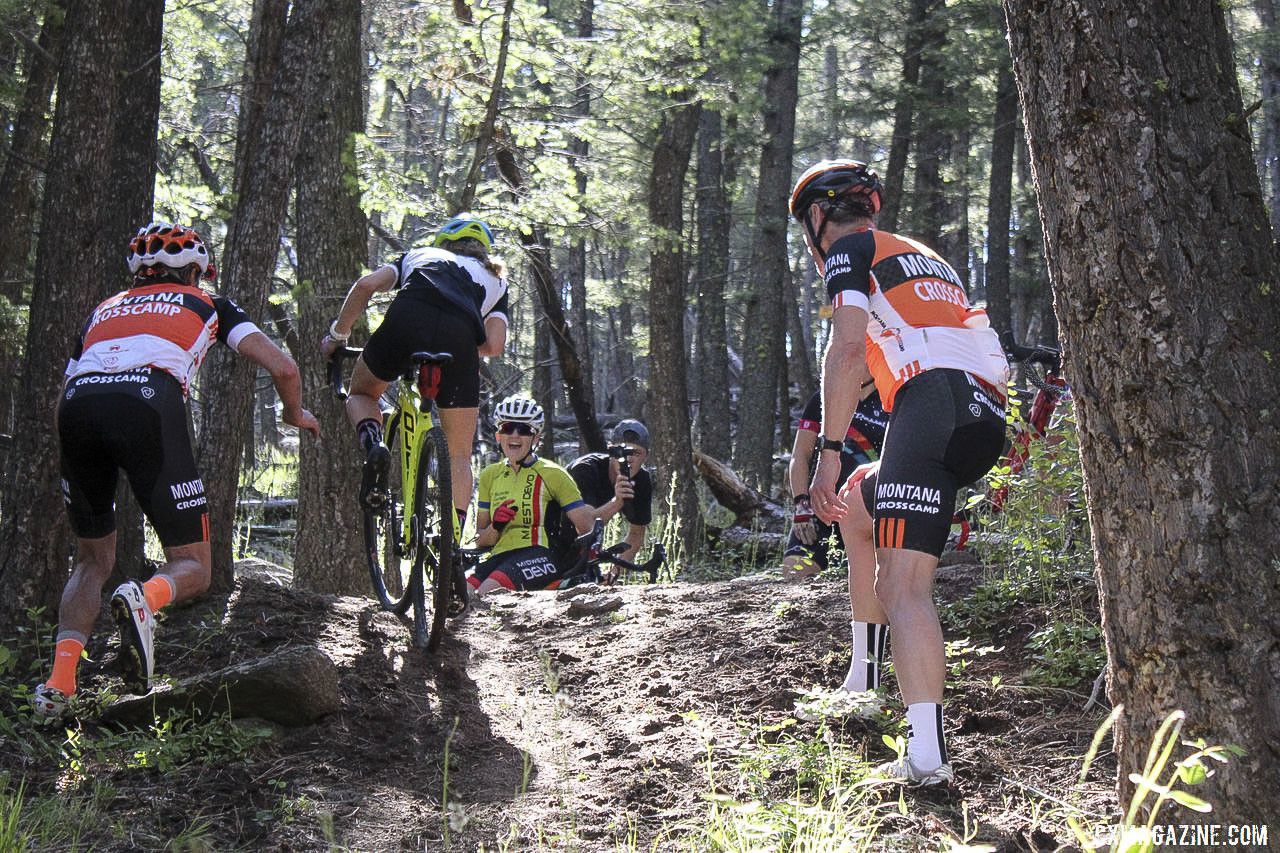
x: 512, y: 504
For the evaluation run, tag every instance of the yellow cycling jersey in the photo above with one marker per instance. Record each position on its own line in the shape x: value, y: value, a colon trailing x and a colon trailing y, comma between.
x: 535, y: 485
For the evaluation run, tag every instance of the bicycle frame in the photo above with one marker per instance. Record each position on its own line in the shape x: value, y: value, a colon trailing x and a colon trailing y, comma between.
x: 1049, y: 393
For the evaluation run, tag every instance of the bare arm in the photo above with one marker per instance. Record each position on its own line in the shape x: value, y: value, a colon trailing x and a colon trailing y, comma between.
x: 486, y: 533
x: 634, y: 539
x: 582, y: 517
x: 798, y: 468
x: 495, y: 337
x: 383, y: 278
x: 259, y: 349
x: 844, y: 368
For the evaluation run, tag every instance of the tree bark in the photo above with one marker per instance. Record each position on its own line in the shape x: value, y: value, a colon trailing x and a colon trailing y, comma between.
x: 1270, y: 81
x: 36, y: 540
x: 579, y: 148
x: 328, y: 556
x: 1164, y: 272
x: 903, y: 114
x: 19, y: 186
x: 250, y: 257
x: 765, y: 316
x: 669, y: 419
x: 933, y: 138
x: 1000, y: 196
x: 129, y: 203
x: 710, y: 280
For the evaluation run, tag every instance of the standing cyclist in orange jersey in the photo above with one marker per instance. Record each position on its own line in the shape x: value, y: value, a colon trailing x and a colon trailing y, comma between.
x: 451, y: 297
x: 124, y: 406
x: 900, y: 314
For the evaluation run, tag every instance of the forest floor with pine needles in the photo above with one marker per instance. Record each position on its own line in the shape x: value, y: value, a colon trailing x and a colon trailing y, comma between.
x: 668, y: 722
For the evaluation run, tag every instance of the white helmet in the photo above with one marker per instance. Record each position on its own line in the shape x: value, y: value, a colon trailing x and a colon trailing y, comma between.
x: 521, y: 410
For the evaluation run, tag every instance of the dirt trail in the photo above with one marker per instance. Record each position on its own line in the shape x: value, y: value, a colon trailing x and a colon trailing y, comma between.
x: 572, y: 732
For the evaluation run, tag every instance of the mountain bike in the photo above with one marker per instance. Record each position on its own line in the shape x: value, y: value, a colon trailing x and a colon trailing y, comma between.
x: 411, y: 531
x: 1051, y: 388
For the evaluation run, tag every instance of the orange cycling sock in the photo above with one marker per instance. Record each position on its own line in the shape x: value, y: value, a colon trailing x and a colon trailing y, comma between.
x: 159, y: 591
x: 66, y: 657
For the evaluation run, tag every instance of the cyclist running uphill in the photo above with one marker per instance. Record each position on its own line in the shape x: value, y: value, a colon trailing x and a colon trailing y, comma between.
x: 617, y: 482
x: 452, y: 297
x: 123, y: 406
x: 807, y: 550
x: 901, y: 315
x: 512, y: 506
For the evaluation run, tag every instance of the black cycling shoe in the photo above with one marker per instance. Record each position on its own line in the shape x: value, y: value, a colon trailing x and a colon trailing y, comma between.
x: 373, y: 481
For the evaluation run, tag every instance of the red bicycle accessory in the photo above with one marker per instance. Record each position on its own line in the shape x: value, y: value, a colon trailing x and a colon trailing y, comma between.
x: 429, y: 381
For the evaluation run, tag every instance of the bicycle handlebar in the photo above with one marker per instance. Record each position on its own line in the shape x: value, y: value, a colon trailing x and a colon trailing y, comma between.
x: 1048, y: 356
x: 335, y: 369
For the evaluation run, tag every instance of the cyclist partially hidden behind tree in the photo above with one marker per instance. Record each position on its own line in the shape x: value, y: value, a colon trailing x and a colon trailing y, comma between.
x: 901, y: 315
x: 512, y: 506
x: 452, y: 298
x: 124, y: 406
x: 617, y: 482
x: 807, y: 550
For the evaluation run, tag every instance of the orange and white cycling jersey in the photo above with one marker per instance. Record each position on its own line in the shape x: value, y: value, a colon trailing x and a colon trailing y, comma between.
x: 918, y: 315
x: 167, y: 326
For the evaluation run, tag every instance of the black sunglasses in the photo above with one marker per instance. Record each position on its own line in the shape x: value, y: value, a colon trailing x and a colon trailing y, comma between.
x: 515, y: 427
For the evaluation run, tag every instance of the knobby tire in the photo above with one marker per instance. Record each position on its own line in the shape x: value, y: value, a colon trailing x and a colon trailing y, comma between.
x: 433, y: 566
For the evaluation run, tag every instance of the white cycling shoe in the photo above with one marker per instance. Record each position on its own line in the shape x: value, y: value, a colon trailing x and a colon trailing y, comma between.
x: 49, y: 702
x: 903, y: 772
x: 137, y: 635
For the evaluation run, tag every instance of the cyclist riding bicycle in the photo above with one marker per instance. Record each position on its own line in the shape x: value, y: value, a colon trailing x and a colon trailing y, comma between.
x: 452, y: 298
x: 807, y: 550
x: 616, y: 482
x: 900, y: 315
x: 123, y: 406
x: 514, y: 496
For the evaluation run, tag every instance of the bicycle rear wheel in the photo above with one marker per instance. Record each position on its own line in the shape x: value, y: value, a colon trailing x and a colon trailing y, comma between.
x: 390, y: 555
x: 434, y: 557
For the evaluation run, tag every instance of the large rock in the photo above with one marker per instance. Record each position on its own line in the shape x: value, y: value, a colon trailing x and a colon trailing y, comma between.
x: 293, y: 686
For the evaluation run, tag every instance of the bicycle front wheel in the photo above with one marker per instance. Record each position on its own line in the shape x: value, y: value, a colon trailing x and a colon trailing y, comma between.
x: 434, y: 557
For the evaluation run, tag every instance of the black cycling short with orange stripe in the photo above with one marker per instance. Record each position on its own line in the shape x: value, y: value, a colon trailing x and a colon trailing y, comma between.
x: 946, y: 431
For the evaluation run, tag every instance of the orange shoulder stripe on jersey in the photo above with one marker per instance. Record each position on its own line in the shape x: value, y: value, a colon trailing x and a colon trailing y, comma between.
x: 182, y: 329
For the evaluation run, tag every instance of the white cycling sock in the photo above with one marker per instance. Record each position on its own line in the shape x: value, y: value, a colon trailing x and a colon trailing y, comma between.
x: 869, y: 640
x: 926, y: 746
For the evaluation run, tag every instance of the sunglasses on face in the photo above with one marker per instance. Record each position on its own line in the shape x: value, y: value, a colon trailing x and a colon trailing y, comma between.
x: 515, y: 428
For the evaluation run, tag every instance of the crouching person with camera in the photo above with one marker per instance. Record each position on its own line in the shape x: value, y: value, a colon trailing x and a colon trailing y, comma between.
x: 616, y: 482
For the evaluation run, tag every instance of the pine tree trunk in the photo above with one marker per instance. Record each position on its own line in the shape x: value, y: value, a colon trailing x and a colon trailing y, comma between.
x: 133, y: 182
x: 669, y: 410
x: 328, y: 556
x: 19, y: 186
x: 710, y: 279
x: 903, y: 114
x: 1164, y: 269
x: 1270, y: 80
x: 36, y: 540
x: 765, y: 315
x: 252, y: 246
x: 933, y: 140
x: 1000, y: 196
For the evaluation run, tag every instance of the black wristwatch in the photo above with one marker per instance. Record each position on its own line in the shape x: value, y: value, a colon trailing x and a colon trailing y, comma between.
x: 832, y: 444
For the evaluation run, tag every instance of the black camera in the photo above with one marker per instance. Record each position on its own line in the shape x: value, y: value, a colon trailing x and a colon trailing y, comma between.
x: 621, y: 451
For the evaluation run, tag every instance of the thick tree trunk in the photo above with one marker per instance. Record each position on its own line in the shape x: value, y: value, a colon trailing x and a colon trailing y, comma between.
x: 903, y: 113
x: 710, y: 279
x: 35, y: 540
x: 133, y: 182
x: 933, y: 140
x: 765, y: 315
x: 246, y: 276
x: 669, y: 420
x: 1000, y: 196
x: 19, y: 184
x: 579, y: 148
x: 328, y: 556
x: 1164, y: 272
